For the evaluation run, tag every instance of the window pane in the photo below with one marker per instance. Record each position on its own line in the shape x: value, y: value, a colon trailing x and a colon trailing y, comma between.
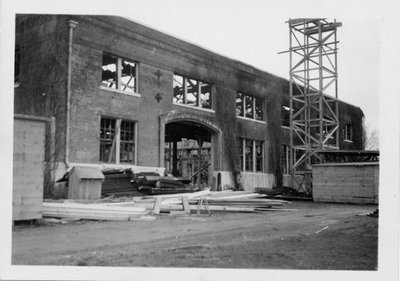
x: 239, y: 145
x: 192, y: 92
x: 107, y: 135
x: 239, y: 104
x: 259, y: 109
x: 248, y: 100
x: 128, y: 76
x: 178, y: 89
x: 249, y: 155
x: 259, y: 155
x: 285, y: 116
x: 109, y: 71
x: 127, y: 142
x: 205, y: 95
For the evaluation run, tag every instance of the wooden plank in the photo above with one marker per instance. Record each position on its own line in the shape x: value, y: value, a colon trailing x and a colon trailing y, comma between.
x: 78, y: 206
x: 180, y: 195
x: 211, y: 208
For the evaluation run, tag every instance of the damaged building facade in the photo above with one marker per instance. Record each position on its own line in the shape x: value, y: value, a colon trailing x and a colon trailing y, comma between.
x: 109, y: 92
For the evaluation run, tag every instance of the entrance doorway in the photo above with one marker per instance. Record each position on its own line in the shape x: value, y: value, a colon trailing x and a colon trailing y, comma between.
x: 189, y: 151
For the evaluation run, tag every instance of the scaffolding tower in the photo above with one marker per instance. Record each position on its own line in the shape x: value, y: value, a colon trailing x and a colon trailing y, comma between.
x: 314, y: 111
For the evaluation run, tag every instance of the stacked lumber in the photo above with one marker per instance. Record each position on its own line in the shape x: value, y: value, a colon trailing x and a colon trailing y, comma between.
x: 94, y: 211
x: 205, y: 200
x: 118, y: 182
x: 153, y: 184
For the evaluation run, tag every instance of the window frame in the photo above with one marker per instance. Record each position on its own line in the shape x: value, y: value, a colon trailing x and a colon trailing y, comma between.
x: 348, y: 130
x: 242, y: 146
x: 118, y: 141
x: 243, y: 112
x: 199, y: 86
x: 119, y: 75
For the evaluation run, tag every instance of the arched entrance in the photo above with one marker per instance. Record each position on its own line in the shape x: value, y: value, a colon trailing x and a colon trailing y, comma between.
x: 189, y: 145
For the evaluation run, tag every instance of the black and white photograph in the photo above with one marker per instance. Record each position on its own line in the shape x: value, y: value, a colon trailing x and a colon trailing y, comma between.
x: 199, y: 140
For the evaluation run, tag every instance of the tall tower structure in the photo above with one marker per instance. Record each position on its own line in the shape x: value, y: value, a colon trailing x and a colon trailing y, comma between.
x: 314, y: 112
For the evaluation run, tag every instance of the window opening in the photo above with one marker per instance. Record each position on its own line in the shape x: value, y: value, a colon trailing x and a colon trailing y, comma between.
x: 348, y: 132
x: 251, y: 155
x: 117, y: 141
x: 119, y: 74
x: 193, y: 92
x: 249, y: 106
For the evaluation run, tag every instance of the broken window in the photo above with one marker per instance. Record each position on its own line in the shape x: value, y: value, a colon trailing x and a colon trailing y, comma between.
x: 285, y: 116
x: 251, y: 155
x: 239, y: 104
x: 117, y: 141
x: 191, y: 92
x: 205, y: 95
x: 348, y: 132
x: 119, y: 74
x: 249, y: 106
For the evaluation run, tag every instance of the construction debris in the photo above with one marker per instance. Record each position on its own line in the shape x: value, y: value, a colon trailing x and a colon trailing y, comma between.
x: 138, y: 208
x: 207, y: 201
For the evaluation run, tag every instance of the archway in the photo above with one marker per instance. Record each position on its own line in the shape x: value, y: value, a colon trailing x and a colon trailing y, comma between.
x: 189, y: 146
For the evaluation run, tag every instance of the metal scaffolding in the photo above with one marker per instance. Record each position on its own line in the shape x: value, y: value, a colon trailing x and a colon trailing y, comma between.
x: 314, y: 112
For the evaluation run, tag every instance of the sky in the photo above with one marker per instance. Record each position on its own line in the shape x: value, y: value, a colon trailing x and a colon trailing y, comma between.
x: 255, y: 31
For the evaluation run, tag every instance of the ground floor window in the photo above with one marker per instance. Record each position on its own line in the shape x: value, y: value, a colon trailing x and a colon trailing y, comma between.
x: 285, y: 158
x: 251, y: 155
x: 117, y: 141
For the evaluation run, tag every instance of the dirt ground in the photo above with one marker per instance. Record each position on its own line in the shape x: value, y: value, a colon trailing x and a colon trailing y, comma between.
x: 316, y: 236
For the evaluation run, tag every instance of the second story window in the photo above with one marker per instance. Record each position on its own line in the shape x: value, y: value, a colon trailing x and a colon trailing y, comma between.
x: 119, y: 74
x: 193, y: 92
x: 348, y: 132
x: 249, y: 107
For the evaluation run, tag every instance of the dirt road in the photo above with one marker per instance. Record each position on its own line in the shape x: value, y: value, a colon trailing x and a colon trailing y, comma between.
x: 316, y: 236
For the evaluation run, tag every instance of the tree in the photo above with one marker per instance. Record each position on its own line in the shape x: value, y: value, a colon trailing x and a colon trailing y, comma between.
x: 371, y: 137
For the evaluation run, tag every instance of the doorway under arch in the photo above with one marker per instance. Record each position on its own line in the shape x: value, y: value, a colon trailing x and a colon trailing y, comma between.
x: 189, y: 147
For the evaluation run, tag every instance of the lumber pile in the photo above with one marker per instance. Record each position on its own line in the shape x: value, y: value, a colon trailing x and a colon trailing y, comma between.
x: 118, y: 182
x: 138, y: 208
x: 153, y: 184
x: 94, y: 211
x: 207, y: 201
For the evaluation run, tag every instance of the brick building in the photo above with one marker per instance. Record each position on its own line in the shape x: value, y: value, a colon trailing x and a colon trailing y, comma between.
x: 111, y: 92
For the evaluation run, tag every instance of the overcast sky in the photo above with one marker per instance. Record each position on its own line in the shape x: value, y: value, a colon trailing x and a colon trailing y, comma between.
x: 247, y: 33
x: 254, y: 31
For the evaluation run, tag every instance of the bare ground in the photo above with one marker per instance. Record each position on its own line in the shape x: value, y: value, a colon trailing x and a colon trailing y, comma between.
x: 275, y: 239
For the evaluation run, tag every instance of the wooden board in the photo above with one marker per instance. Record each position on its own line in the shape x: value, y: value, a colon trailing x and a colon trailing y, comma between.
x: 346, y: 183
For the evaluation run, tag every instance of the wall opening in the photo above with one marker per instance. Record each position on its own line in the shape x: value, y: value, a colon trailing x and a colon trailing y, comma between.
x: 189, y: 151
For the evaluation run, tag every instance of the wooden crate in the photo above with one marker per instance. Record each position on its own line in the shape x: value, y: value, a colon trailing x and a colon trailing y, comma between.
x: 85, y: 183
x: 28, y: 173
x: 346, y: 182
